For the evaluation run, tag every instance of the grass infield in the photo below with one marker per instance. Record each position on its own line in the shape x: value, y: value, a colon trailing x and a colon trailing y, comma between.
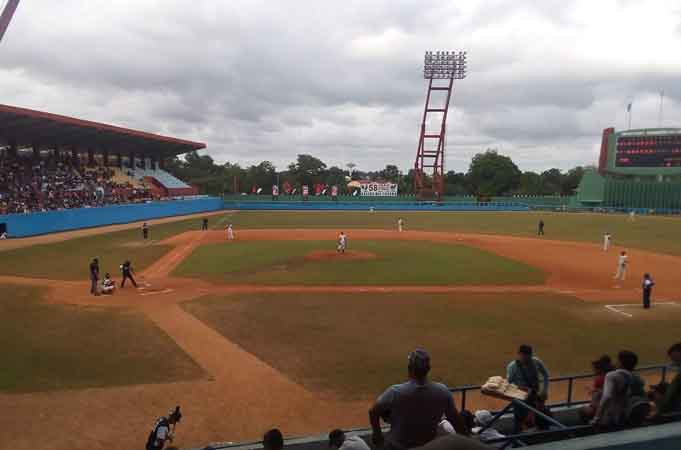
x: 357, y: 344
x: 382, y: 263
x: 54, y: 347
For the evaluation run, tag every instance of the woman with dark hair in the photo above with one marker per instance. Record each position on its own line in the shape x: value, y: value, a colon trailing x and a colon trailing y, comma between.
x: 600, y: 367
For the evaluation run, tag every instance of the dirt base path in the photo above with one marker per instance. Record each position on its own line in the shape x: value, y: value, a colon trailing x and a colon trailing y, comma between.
x: 242, y: 395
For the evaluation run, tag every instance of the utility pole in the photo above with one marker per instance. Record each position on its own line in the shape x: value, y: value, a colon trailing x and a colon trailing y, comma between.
x: 6, y: 16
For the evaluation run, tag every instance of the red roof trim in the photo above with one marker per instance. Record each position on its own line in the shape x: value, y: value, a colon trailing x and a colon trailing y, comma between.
x: 98, y: 126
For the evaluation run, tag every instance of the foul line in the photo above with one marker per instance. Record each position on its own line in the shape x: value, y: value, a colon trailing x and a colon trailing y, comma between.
x: 165, y: 291
x: 614, y: 308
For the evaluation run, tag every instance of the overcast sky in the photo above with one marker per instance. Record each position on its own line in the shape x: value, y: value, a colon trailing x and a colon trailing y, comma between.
x: 266, y: 80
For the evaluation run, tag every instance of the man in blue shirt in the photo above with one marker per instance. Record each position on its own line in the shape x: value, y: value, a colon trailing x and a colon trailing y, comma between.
x: 529, y: 374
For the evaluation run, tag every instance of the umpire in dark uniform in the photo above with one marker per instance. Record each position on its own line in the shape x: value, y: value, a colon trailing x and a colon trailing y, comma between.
x: 127, y: 272
x: 204, y: 224
x: 647, y: 286
x: 94, y: 276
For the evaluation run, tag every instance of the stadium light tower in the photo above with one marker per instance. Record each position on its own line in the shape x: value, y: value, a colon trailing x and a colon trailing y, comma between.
x: 440, y: 69
x: 6, y: 16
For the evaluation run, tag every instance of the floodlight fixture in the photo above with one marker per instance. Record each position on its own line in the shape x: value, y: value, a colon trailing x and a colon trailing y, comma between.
x: 445, y: 65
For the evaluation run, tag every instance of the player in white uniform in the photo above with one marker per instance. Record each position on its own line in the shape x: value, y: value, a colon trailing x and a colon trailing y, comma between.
x: 632, y: 216
x: 607, y: 240
x: 622, y: 266
x: 400, y: 225
x: 230, y: 232
x: 342, y: 243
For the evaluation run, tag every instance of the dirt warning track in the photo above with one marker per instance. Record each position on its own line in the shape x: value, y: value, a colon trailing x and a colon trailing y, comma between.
x: 241, y: 395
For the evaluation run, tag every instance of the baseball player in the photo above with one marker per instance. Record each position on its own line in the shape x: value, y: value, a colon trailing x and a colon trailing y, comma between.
x: 622, y: 266
x: 204, y: 224
x: 230, y: 232
x: 127, y: 272
x: 145, y: 231
x: 540, y: 228
x: 342, y: 242
x: 108, y: 285
x: 647, y: 286
x: 632, y: 216
x: 163, y: 430
x: 400, y: 225
x: 94, y: 276
x: 607, y: 240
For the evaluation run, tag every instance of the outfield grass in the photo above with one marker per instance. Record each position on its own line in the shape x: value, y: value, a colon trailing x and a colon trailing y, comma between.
x: 395, y: 263
x: 658, y: 234
x: 357, y: 344
x: 53, y: 347
x: 68, y: 260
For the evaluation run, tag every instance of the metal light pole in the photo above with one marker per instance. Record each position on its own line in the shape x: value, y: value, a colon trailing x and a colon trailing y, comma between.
x: 6, y: 16
x: 440, y: 69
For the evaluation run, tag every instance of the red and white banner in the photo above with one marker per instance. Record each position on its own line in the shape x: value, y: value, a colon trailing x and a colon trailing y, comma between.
x: 334, y: 191
x: 275, y: 190
x: 306, y: 190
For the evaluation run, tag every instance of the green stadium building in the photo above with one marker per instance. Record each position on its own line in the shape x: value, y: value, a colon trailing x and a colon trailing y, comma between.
x: 637, y: 169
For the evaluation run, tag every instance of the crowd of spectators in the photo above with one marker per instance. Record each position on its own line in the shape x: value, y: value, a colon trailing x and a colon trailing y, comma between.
x: 422, y: 414
x: 29, y: 185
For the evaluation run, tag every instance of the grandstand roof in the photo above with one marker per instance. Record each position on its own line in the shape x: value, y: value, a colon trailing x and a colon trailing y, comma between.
x: 25, y: 127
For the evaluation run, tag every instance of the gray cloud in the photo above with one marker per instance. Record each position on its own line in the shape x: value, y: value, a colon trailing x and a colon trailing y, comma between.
x: 342, y: 80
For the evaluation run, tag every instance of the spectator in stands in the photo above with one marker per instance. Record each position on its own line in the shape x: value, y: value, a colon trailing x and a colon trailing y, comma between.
x: 414, y: 408
x: 667, y: 397
x: 339, y: 441
x: 273, y: 440
x: 530, y: 374
x: 601, y: 367
x: 483, y: 418
x: 618, y: 387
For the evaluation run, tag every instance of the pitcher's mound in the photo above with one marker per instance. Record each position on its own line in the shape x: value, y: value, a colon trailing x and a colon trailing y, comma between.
x: 332, y: 255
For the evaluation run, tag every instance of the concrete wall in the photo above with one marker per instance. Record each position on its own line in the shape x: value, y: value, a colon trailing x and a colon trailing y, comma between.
x: 22, y: 225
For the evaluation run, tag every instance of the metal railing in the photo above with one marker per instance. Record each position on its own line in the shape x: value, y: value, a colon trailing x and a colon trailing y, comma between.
x: 570, y: 379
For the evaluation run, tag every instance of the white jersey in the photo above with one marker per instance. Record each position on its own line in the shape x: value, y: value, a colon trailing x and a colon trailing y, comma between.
x: 622, y: 261
x: 607, y: 239
x: 342, y: 240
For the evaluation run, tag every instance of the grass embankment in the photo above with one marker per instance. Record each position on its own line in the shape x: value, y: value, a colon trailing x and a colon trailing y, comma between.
x: 390, y: 263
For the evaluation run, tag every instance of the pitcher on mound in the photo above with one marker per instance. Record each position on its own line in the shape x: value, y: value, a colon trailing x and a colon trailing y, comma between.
x: 342, y: 242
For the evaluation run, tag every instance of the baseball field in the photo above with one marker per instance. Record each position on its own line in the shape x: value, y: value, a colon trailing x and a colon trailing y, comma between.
x: 276, y: 328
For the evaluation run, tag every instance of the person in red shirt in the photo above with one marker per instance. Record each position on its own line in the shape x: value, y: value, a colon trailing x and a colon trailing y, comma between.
x: 601, y: 367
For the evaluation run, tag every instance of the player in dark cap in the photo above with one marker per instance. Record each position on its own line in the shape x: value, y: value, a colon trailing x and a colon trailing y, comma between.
x: 127, y: 271
x: 415, y: 408
x: 94, y: 276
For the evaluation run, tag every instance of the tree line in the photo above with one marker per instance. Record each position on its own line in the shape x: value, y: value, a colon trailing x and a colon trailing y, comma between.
x: 489, y: 174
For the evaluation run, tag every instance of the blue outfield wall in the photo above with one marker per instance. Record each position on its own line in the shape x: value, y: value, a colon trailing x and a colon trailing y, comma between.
x: 22, y: 225
x: 377, y: 206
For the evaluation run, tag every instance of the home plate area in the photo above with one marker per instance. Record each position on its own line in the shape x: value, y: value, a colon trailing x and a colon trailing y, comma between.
x: 657, y: 309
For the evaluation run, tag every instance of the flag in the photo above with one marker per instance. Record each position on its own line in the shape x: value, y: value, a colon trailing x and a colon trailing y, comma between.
x: 629, y: 107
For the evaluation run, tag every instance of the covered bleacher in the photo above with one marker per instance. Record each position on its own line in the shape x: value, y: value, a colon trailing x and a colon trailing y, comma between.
x: 54, y: 162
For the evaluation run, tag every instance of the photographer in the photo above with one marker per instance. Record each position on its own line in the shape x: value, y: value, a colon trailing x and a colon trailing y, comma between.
x: 163, y: 430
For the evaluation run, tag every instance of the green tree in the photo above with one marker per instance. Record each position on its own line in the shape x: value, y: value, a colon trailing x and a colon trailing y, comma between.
x: 455, y: 183
x: 571, y: 180
x: 492, y: 174
x: 530, y: 184
x: 551, y: 181
x: 390, y: 173
x: 307, y: 169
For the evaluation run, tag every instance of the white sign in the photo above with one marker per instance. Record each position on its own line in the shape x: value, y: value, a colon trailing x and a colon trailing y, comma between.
x: 376, y: 189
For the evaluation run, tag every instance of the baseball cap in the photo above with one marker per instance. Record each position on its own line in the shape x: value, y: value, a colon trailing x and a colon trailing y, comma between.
x: 419, y: 360
x: 483, y: 417
x: 525, y: 349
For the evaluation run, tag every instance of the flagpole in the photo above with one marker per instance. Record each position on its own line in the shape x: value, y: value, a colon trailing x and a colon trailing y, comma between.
x: 659, y: 117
